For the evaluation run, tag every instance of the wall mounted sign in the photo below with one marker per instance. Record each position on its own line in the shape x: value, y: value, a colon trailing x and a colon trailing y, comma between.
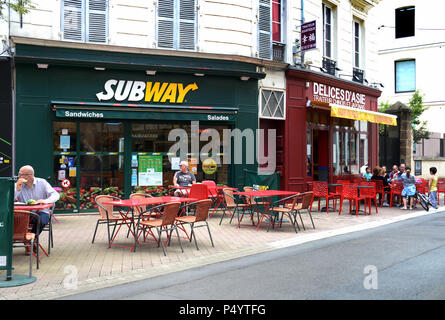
x: 308, y: 36
x: 330, y: 94
x: 149, y: 91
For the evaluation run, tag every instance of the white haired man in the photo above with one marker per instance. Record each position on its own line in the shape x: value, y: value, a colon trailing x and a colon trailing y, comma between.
x: 183, y: 178
x: 29, y: 187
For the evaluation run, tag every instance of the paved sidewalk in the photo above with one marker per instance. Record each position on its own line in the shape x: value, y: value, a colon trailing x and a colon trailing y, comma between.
x: 76, y: 265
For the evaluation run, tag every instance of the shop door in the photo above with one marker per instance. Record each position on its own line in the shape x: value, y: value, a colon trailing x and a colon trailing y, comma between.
x: 320, y: 158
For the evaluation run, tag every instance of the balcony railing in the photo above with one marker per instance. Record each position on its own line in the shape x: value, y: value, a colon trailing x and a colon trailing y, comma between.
x: 329, y: 65
x: 278, y: 51
x: 357, y: 75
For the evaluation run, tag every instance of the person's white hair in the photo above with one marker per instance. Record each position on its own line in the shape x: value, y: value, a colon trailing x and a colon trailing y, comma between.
x: 184, y: 163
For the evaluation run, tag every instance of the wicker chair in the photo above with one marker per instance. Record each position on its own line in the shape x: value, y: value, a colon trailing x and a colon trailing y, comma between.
x: 21, y: 235
x: 164, y: 224
x: 201, y: 215
x: 107, y: 217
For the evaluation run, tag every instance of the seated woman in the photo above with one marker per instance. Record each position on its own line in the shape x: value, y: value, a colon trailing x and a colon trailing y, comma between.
x: 377, y: 175
x: 409, y: 187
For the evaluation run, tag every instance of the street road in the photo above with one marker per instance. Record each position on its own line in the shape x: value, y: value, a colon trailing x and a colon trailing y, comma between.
x: 403, y: 260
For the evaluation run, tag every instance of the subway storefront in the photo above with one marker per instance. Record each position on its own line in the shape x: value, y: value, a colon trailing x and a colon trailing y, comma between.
x: 94, y: 122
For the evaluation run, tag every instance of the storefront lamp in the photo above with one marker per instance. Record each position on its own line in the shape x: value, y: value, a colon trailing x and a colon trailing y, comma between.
x: 99, y: 68
x: 244, y: 78
x: 150, y: 72
x: 42, y: 65
x: 199, y: 74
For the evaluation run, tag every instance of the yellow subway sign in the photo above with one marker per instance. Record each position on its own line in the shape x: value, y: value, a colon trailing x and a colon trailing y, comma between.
x: 149, y: 91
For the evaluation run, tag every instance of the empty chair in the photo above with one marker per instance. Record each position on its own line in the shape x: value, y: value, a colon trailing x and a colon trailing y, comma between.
x: 285, y: 210
x: 231, y: 205
x: 107, y: 217
x: 305, y: 204
x: 201, y: 215
x: 199, y: 191
x: 320, y: 190
x: 49, y: 228
x: 350, y: 192
x: 164, y: 224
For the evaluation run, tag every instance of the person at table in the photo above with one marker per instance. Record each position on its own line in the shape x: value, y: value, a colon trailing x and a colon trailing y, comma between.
x: 30, y: 187
x: 367, y: 175
x: 394, y: 172
x: 183, y: 178
x: 409, y: 187
x: 378, y: 174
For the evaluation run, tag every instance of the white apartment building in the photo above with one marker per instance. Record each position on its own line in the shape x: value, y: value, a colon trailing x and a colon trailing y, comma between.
x: 411, y: 47
x: 213, y: 56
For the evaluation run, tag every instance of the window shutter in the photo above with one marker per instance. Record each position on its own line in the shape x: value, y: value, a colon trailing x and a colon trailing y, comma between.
x: 97, y: 14
x: 264, y: 30
x: 72, y: 20
x: 165, y: 27
x: 187, y: 21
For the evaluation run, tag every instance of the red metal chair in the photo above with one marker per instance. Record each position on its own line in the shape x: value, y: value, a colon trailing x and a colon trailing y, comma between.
x: 214, y: 195
x: 320, y: 189
x: 379, y: 189
x: 199, y: 191
x: 350, y: 192
x: 370, y: 194
x: 396, y: 190
x: 440, y: 189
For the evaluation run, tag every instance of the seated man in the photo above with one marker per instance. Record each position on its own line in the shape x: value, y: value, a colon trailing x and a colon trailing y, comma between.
x: 183, y: 178
x: 29, y: 187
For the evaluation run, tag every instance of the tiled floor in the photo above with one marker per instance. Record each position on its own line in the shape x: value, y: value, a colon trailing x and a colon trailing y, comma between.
x: 75, y: 264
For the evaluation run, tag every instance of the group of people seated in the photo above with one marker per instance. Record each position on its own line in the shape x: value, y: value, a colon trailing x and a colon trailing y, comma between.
x: 403, y: 174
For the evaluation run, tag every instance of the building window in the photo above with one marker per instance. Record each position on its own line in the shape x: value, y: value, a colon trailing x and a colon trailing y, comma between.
x: 356, y: 41
x: 272, y: 104
x: 85, y: 20
x: 264, y: 29
x: 176, y: 24
x: 405, y: 22
x: 327, y: 31
x: 417, y: 167
x: 405, y: 76
x: 276, y: 20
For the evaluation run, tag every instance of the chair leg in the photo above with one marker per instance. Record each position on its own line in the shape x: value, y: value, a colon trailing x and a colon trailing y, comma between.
x: 299, y: 213
x: 210, y: 235
x: 179, y: 240
x: 30, y: 258
x: 310, y: 215
x: 196, y: 243
x: 95, y: 230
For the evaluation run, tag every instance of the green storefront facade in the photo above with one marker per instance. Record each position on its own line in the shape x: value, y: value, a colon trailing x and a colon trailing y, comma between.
x: 101, y: 120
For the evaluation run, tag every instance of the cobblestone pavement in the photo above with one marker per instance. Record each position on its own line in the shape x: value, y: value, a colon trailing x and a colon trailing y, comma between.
x: 76, y: 265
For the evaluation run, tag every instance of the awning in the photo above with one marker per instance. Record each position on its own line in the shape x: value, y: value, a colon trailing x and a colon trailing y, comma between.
x: 362, y: 115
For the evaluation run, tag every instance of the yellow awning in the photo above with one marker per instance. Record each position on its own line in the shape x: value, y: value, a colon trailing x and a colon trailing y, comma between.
x: 362, y: 115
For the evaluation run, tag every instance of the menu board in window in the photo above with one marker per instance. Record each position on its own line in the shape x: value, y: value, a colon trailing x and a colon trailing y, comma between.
x: 150, y: 170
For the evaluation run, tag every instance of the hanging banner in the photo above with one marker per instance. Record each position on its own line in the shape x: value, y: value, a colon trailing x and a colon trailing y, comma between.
x: 362, y: 115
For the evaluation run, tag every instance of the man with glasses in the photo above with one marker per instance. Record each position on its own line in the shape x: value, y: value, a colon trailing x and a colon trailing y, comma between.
x: 183, y: 178
x: 29, y: 187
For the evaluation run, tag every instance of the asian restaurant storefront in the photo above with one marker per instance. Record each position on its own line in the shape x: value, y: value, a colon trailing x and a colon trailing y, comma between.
x: 107, y: 131
x: 331, y: 129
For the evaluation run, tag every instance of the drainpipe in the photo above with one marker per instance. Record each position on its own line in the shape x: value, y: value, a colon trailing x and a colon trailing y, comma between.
x: 302, y: 21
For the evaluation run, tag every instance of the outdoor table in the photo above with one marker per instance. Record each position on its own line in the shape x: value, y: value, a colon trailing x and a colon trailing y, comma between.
x: 131, y: 204
x: 263, y: 194
x: 34, y: 207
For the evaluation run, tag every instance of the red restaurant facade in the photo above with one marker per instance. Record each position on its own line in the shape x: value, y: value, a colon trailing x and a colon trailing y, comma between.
x: 318, y: 144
